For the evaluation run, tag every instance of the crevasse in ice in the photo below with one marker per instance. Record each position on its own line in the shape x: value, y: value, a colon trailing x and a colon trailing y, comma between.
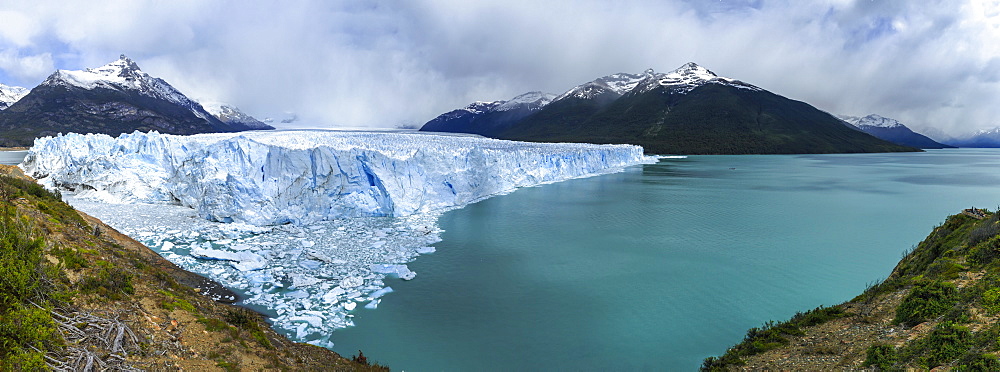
x: 269, y: 178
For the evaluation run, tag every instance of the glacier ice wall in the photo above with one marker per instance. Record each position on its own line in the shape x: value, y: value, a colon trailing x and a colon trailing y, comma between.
x: 270, y: 178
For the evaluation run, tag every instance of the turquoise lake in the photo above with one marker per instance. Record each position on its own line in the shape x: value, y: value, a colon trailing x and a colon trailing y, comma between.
x: 662, y: 265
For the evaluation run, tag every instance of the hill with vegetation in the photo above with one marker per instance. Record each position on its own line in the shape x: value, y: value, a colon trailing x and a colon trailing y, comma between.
x: 77, y: 295
x: 938, y: 309
x: 690, y: 110
x: 708, y: 119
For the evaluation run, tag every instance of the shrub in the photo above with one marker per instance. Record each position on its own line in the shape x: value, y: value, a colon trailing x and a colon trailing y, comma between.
x: 986, y: 229
x: 981, y: 362
x: 27, y: 330
x: 927, y: 300
x: 110, y: 282
x: 991, y: 300
x: 880, y: 356
x: 946, y: 343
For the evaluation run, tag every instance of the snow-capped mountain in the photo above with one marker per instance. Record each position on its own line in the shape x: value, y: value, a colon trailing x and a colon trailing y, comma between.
x: 689, y: 110
x: 529, y: 101
x: 9, y: 95
x: 124, y: 75
x: 984, y: 138
x: 232, y: 115
x: 615, y: 84
x: 484, y: 118
x: 112, y: 99
x: 872, y: 120
x: 685, y: 79
x: 893, y: 131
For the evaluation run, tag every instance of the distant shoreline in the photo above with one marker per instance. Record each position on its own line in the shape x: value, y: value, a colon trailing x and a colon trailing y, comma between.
x: 14, y: 148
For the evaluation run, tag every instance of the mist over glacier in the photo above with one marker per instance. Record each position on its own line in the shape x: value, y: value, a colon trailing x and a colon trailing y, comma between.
x: 305, y: 225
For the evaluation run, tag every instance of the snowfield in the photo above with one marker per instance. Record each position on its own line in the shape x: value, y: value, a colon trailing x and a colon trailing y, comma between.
x: 304, y: 225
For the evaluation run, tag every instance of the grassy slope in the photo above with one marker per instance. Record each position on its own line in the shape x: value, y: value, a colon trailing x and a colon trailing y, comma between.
x: 938, y: 308
x: 75, y: 291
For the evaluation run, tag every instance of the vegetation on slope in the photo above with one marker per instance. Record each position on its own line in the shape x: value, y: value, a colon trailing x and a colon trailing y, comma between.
x: 77, y: 295
x: 939, y: 307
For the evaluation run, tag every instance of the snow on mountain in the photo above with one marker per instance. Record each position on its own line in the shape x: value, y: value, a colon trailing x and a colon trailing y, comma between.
x: 480, y: 107
x: 10, y: 94
x: 265, y: 178
x: 685, y: 79
x: 618, y: 84
x: 230, y: 114
x: 530, y: 100
x: 475, y: 108
x: 872, y: 120
x: 682, y: 80
x: 125, y: 75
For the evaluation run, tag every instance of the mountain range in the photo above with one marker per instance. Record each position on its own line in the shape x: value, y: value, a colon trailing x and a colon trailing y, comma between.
x: 112, y: 99
x: 893, y: 131
x: 690, y: 110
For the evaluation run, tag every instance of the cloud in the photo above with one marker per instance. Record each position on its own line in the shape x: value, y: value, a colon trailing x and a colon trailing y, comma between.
x: 383, y: 63
x: 34, y: 67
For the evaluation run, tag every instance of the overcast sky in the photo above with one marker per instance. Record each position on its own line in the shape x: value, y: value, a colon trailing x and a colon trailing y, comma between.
x: 931, y: 64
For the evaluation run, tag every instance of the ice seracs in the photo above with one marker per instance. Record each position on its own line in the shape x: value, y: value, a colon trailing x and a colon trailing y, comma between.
x: 265, y: 178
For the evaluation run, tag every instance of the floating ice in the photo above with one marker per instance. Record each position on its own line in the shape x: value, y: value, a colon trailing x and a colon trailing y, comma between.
x: 242, y: 261
x: 400, y: 271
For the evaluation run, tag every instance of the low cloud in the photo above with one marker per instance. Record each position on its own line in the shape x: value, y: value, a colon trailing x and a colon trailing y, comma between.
x: 386, y: 63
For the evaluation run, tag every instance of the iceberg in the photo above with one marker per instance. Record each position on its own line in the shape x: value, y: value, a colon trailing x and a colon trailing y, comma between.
x: 272, y: 178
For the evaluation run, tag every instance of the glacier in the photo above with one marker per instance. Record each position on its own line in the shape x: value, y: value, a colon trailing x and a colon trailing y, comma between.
x: 267, y: 178
x: 304, y: 225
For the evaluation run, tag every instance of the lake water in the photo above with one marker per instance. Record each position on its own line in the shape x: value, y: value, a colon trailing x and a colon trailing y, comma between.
x: 12, y: 157
x: 662, y: 265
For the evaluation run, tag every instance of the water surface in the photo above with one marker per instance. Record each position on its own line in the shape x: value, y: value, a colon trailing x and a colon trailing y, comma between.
x: 13, y: 157
x: 662, y: 265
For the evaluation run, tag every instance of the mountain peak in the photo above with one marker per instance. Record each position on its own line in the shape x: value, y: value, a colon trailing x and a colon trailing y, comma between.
x: 122, y: 68
x: 685, y: 79
x: 532, y: 100
x: 692, y: 68
x: 873, y: 120
x: 9, y: 95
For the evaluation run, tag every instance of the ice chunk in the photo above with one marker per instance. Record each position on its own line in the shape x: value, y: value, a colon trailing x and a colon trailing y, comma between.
x: 331, y: 296
x: 426, y: 250
x: 351, y: 282
x: 380, y: 292
x: 302, y: 280
x: 312, y: 320
x: 243, y: 261
x: 167, y: 246
x: 373, y: 305
x: 350, y: 306
x: 400, y: 271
